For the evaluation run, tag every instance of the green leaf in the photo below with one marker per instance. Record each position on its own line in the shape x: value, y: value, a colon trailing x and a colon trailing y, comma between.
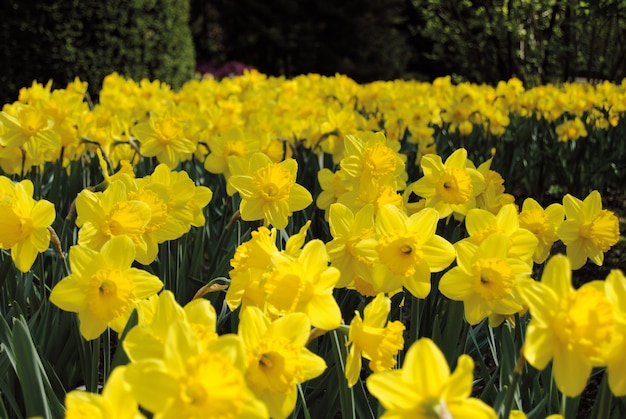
x: 29, y: 371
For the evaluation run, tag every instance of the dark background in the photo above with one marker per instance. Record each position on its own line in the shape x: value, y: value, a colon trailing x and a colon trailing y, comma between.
x: 538, y: 41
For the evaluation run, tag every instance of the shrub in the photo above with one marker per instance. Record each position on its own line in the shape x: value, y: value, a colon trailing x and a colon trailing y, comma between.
x: 62, y: 39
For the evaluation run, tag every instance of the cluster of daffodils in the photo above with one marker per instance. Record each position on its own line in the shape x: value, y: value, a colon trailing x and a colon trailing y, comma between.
x: 386, y: 236
x: 211, y: 120
x: 117, y: 226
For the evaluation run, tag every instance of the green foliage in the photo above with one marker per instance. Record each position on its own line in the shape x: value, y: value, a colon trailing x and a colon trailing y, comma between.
x: 538, y: 41
x: 59, y: 40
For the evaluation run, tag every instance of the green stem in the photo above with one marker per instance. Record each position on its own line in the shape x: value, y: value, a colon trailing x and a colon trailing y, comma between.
x: 346, y: 395
x: 415, y: 319
x: 107, y: 354
x: 92, y: 385
x: 510, y: 392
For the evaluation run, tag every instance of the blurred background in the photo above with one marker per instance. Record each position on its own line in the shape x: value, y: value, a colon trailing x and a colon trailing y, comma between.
x: 538, y: 41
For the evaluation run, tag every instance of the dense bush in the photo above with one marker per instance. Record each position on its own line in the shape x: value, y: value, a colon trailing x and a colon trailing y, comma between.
x: 62, y: 39
x: 539, y: 41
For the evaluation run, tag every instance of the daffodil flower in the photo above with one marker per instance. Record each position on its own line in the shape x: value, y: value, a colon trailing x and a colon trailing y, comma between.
x: 450, y: 187
x: 425, y: 388
x: 373, y: 338
x: 277, y: 358
x: 573, y: 328
x: 588, y: 230
x: 103, y: 287
x: 269, y: 191
x: 115, y: 401
x: 24, y: 222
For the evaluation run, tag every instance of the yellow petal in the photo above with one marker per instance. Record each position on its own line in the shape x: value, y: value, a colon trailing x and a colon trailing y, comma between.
x: 252, y: 326
x: 459, y: 386
x: 455, y: 284
x: 377, y: 311
x: 340, y: 219
x: 439, y: 253
x: 119, y: 252
x: 69, y: 294
x: 571, y: 370
x: 324, y: 312
x: 294, y: 327
x: 557, y: 275
x: 539, y: 345
x: 393, y: 392
x: 426, y: 368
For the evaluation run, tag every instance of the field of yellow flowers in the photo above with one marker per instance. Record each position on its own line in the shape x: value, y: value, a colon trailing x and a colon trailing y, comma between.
x: 310, y: 248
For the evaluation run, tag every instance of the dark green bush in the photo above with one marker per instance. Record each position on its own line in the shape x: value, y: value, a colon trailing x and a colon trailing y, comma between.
x: 538, y: 41
x: 61, y: 39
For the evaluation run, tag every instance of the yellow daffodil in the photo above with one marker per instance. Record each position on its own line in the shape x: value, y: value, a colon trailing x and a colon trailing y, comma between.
x: 31, y: 130
x: 480, y: 224
x: 450, y: 187
x: 543, y: 224
x: 163, y: 137
x: 588, y: 230
x: 573, y: 328
x: 370, y: 161
x: 332, y: 187
x: 493, y: 197
x: 571, y: 129
x: 304, y: 284
x: 103, y: 287
x: 373, y: 338
x: 485, y: 279
x: 269, y: 191
x: 348, y: 229
x: 115, y: 401
x: 174, y: 201
x: 377, y: 196
x: 233, y: 142
x: 192, y: 380
x: 147, y: 339
x: 24, y: 222
x: 104, y: 215
x: 252, y: 258
x: 616, y: 294
x: 407, y: 250
x: 424, y: 387
x: 277, y: 359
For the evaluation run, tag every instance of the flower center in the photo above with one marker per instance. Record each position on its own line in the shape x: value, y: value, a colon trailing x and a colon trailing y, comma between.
x: 275, y: 365
x: 286, y: 288
x: 273, y: 182
x: 493, y: 178
x: 493, y: 278
x: 235, y: 148
x: 605, y: 230
x: 168, y: 129
x: 535, y: 221
x: 110, y: 294
x: 380, y: 160
x: 158, y: 207
x: 125, y: 218
x: 212, y: 384
x: 584, y: 321
x: 31, y: 121
x: 400, y: 253
x: 455, y: 186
